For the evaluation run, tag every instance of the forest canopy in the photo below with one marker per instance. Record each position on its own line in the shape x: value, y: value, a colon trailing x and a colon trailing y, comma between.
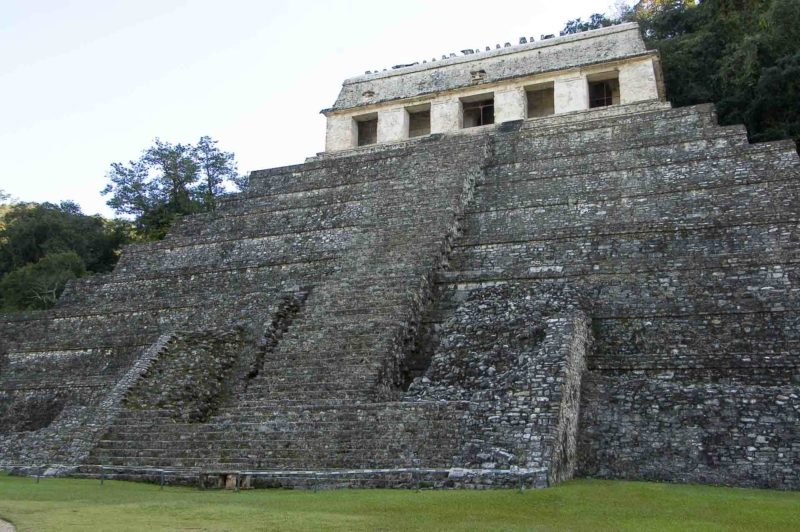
x: 45, y: 245
x: 742, y: 55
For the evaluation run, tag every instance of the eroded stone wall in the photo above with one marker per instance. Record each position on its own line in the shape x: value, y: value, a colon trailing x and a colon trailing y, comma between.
x: 681, y: 238
x: 645, y: 244
x: 191, y: 376
x: 516, y: 356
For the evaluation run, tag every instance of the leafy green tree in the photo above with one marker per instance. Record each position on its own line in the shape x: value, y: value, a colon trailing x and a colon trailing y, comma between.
x: 38, y: 285
x: 170, y: 180
x: 42, y: 246
x: 774, y: 111
x: 33, y: 231
x: 216, y: 168
x: 739, y: 54
x: 596, y: 21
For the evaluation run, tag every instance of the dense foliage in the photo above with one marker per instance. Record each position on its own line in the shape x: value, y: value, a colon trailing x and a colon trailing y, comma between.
x: 42, y: 246
x: 743, y: 55
x: 170, y: 180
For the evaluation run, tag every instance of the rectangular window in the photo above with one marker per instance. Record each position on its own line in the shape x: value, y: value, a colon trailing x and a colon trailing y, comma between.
x: 419, y: 121
x: 367, y: 129
x: 541, y: 100
x: 478, y: 112
x: 603, y: 92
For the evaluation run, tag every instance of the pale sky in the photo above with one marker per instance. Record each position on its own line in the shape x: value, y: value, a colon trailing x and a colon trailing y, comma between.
x: 87, y: 83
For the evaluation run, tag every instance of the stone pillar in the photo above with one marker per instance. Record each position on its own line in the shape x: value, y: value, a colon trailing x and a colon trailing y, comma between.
x: 637, y: 82
x: 392, y: 125
x: 571, y: 94
x: 341, y: 133
x: 510, y: 105
x: 446, y: 116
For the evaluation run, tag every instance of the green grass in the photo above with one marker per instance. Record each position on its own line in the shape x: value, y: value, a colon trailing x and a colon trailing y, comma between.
x: 69, y: 504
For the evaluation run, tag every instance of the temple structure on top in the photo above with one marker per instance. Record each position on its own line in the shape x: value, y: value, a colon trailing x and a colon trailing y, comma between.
x: 610, y: 66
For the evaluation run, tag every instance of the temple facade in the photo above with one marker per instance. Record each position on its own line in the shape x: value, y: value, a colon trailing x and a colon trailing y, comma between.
x: 584, y: 71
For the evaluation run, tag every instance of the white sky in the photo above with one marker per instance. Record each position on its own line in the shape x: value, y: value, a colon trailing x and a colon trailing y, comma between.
x: 87, y: 83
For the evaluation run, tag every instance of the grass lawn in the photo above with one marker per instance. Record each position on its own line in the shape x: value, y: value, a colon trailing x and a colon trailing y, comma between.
x: 67, y: 504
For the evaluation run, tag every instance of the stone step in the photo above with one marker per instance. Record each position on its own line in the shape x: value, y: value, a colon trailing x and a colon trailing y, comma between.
x: 616, y: 137
x: 682, y: 292
x: 307, y: 177
x: 287, y: 440
x: 204, y: 464
x: 628, y: 338
x: 181, y: 289
x: 250, y: 252
x: 734, y: 167
x: 265, y: 217
x: 764, y: 201
x: 622, y: 156
x: 699, y: 247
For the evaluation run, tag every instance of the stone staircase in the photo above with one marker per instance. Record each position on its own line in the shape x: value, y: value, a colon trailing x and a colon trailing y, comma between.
x: 286, y: 436
x: 683, y: 239
x: 318, y: 398
x: 677, y: 238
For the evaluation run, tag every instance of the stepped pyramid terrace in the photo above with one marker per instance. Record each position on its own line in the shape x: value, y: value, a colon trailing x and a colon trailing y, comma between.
x: 509, y: 267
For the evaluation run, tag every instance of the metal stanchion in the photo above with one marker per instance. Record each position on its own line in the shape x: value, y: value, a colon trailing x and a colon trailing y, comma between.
x: 161, y: 471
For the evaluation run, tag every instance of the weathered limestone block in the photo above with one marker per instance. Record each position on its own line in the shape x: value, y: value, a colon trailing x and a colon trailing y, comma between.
x: 341, y: 133
x: 446, y: 115
x: 637, y: 82
x: 190, y: 375
x: 662, y: 427
x: 571, y: 94
x: 392, y: 125
x: 510, y: 105
x: 517, y: 356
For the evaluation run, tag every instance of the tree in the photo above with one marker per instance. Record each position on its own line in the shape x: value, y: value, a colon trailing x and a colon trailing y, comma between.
x: 739, y: 54
x: 596, y: 21
x: 216, y: 169
x: 42, y: 246
x: 38, y: 285
x: 170, y: 180
x: 774, y: 111
x: 33, y: 231
x: 5, y: 206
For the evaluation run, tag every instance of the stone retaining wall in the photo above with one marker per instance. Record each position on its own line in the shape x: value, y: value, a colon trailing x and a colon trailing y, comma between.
x: 611, y: 293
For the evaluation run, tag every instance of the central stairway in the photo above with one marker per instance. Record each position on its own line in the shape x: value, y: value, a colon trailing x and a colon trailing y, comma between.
x: 657, y: 217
